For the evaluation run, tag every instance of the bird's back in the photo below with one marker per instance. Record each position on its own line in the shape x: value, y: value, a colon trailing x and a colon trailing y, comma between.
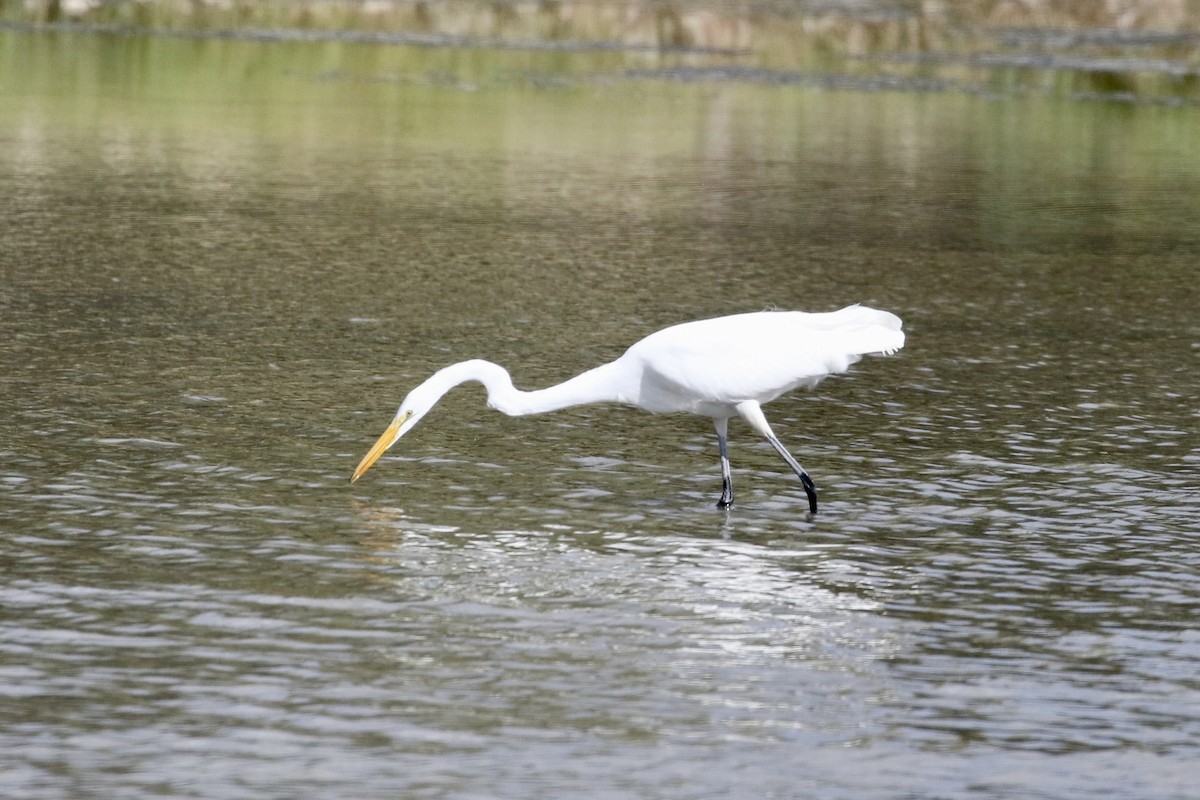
x: 709, y: 366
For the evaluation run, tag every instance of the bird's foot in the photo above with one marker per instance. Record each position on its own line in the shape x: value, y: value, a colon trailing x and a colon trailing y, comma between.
x: 810, y: 489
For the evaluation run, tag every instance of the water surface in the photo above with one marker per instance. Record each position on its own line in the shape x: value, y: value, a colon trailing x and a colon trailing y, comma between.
x: 224, y: 263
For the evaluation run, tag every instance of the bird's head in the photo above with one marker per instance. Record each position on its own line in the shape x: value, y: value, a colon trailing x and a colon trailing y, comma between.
x: 411, y: 411
x: 418, y: 402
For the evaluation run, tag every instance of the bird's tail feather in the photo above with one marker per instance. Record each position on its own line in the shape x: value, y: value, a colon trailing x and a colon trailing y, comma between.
x: 865, y: 330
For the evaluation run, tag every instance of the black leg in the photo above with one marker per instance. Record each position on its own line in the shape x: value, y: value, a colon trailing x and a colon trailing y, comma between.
x: 810, y: 488
x: 726, y: 473
x: 752, y: 413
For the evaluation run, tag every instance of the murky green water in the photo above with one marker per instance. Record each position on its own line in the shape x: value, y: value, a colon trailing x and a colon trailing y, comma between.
x: 224, y: 263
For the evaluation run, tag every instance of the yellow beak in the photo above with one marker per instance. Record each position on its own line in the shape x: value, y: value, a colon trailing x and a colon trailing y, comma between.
x: 381, y: 445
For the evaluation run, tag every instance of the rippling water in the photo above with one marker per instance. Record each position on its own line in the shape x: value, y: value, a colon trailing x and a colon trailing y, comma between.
x: 215, y: 294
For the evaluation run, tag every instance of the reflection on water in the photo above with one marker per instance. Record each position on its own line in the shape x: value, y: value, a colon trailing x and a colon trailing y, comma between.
x: 216, y: 290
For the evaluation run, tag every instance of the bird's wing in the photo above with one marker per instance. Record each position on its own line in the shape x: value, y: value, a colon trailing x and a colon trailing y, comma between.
x: 757, y: 356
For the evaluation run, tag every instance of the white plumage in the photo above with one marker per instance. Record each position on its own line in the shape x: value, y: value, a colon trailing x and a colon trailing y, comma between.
x: 716, y: 368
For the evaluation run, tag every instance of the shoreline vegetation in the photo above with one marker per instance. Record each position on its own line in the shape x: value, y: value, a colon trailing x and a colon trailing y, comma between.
x: 1138, y: 51
x: 853, y: 27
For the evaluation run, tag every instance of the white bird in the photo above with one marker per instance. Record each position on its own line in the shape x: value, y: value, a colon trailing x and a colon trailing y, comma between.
x: 717, y: 368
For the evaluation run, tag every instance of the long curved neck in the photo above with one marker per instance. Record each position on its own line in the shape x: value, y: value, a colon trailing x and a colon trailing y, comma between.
x: 599, y: 385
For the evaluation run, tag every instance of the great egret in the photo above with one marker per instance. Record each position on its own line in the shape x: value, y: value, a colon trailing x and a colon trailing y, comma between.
x: 714, y: 367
